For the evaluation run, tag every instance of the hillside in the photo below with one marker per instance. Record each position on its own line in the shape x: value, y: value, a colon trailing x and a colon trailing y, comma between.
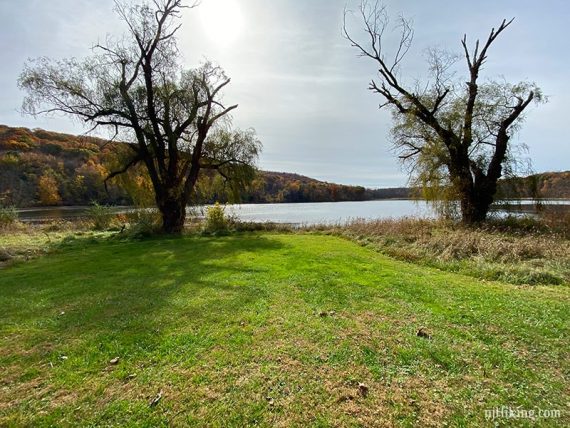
x: 551, y: 185
x: 287, y: 187
x: 39, y: 167
x: 47, y: 168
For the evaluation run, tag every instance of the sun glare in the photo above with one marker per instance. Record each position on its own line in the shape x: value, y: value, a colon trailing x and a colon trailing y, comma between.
x: 222, y: 20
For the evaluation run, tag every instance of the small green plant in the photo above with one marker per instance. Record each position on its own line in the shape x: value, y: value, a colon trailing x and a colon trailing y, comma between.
x: 100, y: 215
x: 143, y: 222
x: 8, y: 216
x: 216, y: 219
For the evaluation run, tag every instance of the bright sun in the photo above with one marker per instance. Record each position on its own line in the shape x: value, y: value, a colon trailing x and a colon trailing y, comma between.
x: 222, y: 20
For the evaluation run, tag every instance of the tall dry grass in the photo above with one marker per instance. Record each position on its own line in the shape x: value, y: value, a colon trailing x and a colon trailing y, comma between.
x: 519, y: 251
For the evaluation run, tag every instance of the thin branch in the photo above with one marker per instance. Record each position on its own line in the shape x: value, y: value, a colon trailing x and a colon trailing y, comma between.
x: 123, y: 170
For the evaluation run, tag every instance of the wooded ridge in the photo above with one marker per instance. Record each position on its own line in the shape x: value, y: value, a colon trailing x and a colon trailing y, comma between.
x: 39, y: 167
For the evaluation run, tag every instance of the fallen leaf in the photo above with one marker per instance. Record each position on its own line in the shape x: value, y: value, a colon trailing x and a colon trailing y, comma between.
x: 363, y: 389
x: 422, y: 332
x: 155, y: 400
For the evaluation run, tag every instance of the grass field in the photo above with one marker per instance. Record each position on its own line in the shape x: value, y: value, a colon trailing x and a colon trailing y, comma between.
x: 271, y: 330
x: 521, y: 251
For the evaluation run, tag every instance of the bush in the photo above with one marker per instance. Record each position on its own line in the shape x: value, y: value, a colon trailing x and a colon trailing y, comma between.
x: 142, y: 222
x: 8, y: 216
x: 557, y: 219
x: 216, y: 220
x: 101, y: 216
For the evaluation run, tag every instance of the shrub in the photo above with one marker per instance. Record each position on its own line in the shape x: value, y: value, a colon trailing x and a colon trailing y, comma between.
x: 142, y: 222
x: 557, y: 219
x: 216, y: 220
x: 8, y: 216
x: 100, y: 215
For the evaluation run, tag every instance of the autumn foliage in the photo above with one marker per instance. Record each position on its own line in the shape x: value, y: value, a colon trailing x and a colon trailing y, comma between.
x: 38, y: 167
x: 48, y: 192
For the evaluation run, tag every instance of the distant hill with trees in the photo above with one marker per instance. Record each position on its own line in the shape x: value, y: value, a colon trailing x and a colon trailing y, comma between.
x: 48, y: 168
x: 550, y: 185
x: 39, y: 167
x: 275, y: 187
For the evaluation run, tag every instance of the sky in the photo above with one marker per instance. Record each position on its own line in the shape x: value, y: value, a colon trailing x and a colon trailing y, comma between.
x: 300, y: 84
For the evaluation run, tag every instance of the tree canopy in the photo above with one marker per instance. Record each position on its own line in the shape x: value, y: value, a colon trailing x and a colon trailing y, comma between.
x: 135, y: 85
x: 454, y: 133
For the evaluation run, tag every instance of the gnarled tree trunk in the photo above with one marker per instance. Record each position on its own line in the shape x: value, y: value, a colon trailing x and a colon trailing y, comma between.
x: 172, y: 200
x: 173, y: 212
x: 474, y: 208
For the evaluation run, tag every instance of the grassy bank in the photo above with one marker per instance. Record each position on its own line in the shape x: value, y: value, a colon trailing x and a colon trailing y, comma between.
x: 513, y: 251
x: 270, y: 330
x: 23, y: 242
x: 520, y: 252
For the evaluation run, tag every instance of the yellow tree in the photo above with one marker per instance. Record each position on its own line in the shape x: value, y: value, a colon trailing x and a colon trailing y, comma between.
x: 48, y: 192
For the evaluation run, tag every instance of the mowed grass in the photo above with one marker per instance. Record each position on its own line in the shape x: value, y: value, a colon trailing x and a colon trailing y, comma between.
x: 271, y: 330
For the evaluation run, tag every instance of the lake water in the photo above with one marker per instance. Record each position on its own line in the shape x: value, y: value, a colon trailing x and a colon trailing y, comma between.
x: 302, y: 213
x: 329, y: 212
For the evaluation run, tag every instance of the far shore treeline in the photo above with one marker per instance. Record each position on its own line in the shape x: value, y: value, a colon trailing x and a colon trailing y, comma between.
x: 38, y: 168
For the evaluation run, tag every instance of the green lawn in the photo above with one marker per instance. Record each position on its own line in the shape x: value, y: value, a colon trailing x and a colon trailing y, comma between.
x: 271, y: 330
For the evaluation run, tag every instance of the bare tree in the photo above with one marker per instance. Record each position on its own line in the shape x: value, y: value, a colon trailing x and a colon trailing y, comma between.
x: 136, y: 86
x: 455, y: 134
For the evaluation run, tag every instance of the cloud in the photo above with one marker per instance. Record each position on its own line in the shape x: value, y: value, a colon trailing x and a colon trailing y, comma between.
x: 301, y: 85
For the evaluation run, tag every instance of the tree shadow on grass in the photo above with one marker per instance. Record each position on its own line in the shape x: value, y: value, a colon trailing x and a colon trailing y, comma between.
x: 152, y: 297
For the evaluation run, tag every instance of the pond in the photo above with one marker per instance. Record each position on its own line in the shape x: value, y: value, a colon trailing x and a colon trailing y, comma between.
x: 304, y: 213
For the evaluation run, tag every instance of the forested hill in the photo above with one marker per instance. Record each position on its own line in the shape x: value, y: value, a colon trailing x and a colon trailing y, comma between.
x: 287, y: 187
x: 554, y: 185
x: 39, y: 167
x: 47, y: 168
